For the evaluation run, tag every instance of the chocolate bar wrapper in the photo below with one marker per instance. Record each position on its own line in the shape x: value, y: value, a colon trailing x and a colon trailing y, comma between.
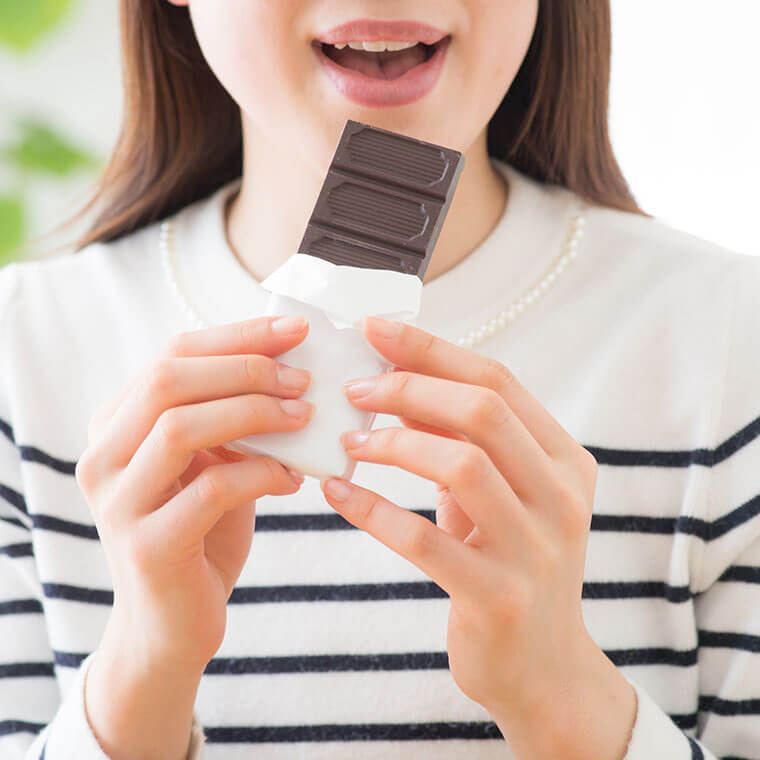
x: 334, y: 298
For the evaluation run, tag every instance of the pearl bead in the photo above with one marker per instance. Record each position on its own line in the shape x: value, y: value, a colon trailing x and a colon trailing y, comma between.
x: 473, y: 336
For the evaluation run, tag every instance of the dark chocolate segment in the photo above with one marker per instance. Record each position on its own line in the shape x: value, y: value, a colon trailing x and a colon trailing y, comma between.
x: 383, y: 201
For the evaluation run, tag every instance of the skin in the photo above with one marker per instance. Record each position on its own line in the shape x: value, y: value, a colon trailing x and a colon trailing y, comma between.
x: 516, y: 491
x: 292, y: 116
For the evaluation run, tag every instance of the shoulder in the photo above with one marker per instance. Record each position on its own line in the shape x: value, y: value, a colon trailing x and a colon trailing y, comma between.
x: 71, y: 277
x: 658, y: 247
x: 107, y: 304
x: 654, y: 278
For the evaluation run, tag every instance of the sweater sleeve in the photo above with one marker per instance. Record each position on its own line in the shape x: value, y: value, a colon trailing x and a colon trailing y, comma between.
x: 726, y: 582
x: 35, y: 722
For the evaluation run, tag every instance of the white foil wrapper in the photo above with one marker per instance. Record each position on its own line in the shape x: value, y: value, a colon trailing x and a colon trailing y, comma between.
x: 334, y: 298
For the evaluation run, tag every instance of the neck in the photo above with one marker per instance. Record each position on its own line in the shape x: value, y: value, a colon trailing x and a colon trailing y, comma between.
x: 266, y: 218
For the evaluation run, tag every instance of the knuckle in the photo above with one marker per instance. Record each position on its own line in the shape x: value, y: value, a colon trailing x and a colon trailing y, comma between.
x: 274, y: 472
x: 210, y: 485
x: 84, y: 471
x: 427, y: 341
x: 138, y: 549
x: 509, y: 603
x: 159, y: 379
x: 365, y: 508
x: 418, y: 538
x: 170, y: 428
x: 489, y: 408
x: 470, y: 464
x: 398, y: 382
x: 251, y: 369
x: 496, y: 375
x: 574, y: 512
x: 385, y: 438
x: 547, y: 558
x: 177, y: 345
x: 248, y: 330
x: 588, y: 463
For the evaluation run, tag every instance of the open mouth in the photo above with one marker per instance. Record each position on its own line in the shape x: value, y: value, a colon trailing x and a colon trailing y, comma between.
x: 385, y: 64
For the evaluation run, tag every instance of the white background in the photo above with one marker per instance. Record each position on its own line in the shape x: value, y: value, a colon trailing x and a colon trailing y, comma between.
x: 685, y: 113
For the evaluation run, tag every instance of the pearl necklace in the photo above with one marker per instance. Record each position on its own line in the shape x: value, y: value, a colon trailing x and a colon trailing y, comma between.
x: 470, y: 339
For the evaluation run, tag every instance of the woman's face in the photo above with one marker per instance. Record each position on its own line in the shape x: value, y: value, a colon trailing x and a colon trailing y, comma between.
x: 265, y: 55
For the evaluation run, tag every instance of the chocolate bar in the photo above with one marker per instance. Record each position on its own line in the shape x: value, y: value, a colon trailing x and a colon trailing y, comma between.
x: 383, y: 201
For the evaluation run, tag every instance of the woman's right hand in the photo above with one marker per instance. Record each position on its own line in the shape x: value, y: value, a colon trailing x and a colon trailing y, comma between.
x: 174, y: 510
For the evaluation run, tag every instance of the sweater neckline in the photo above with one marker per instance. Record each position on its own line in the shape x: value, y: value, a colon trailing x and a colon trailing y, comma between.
x: 526, y: 238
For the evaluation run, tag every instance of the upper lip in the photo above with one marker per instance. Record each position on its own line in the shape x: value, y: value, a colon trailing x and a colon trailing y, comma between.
x: 372, y: 30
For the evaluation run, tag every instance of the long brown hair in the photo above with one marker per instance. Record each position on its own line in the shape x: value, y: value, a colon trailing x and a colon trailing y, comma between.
x: 552, y: 123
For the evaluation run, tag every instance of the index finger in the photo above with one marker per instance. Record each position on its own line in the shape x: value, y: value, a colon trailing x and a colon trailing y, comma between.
x: 261, y: 335
x: 419, y: 351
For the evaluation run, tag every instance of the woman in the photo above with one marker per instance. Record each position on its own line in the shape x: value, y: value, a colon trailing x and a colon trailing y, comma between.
x: 562, y: 560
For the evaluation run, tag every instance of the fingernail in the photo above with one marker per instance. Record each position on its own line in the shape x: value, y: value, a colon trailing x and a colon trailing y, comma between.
x: 292, y: 377
x: 356, y: 388
x: 355, y: 438
x: 285, y: 325
x: 337, y: 489
x: 295, y: 407
x: 383, y: 327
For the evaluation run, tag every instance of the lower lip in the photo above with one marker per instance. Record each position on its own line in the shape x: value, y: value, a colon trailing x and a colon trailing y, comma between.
x: 379, y: 93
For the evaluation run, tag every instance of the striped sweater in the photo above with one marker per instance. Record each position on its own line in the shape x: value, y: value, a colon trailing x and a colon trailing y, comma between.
x: 646, y: 349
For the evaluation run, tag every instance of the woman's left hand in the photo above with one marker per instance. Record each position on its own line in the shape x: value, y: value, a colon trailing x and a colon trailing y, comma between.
x: 513, y: 513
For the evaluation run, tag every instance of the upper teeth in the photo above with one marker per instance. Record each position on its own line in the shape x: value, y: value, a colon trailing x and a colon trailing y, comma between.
x: 376, y: 47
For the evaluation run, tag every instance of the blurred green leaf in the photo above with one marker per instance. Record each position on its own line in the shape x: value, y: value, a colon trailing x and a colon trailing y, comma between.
x: 24, y: 22
x: 12, y: 222
x: 39, y: 148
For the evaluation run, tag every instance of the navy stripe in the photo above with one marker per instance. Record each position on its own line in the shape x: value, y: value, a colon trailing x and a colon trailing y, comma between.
x: 705, y: 529
x: 69, y: 659
x: 743, y: 573
x: 604, y: 456
x: 635, y: 590
x: 77, y: 593
x: 14, y: 521
x: 334, y: 521
x: 684, y: 721
x: 19, y: 727
x: 14, y: 498
x: 702, y: 529
x: 7, y: 431
x: 366, y: 592
x: 728, y: 640
x: 684, y: 458
x: 696, y: 750
x: 27, y: 670
x: 17, y: 550
x: 653, y: 656
x: 328, y: 663
x: 20, y: 606
x: 33, y: 454
x: 42, y: 754
x: 663, y: 526
x: 58, y: 525
x: 349, y: 592
x: 353, y: 732
x: 394, y: 661
x: 729, y: 706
